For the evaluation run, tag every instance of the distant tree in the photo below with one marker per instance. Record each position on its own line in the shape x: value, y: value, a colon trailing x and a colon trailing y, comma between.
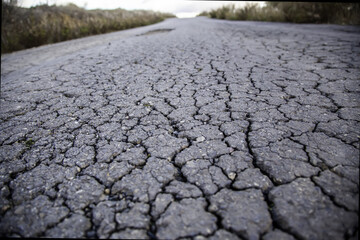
x: 9, y: 2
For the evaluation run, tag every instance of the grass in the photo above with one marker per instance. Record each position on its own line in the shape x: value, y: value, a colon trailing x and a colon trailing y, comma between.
x: 23, y: 28
x: 294, y: 12
x: 29, y: 143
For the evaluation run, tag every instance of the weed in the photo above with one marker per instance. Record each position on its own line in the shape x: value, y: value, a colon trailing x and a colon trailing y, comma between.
x: 29, y: 143
x: 295, y: 12
x: 23, y: 28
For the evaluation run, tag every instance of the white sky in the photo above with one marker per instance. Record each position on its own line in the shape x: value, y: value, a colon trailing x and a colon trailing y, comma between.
x: 181, y: 8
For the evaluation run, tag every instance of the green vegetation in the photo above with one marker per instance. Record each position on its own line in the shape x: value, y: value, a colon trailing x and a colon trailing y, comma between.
x: 295, y: 12
x: 23, y: 28
x: 29, y: 143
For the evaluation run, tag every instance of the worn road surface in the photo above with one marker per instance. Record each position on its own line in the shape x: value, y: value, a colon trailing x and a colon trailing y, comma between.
x: 186, y: 129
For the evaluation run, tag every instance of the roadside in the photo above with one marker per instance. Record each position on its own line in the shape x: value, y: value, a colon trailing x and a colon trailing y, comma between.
x: 292, y: 12
x: 23, y: 28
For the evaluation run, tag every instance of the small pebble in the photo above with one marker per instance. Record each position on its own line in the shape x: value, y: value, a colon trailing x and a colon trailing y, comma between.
x: 200, y: 139
x: 232, y: 175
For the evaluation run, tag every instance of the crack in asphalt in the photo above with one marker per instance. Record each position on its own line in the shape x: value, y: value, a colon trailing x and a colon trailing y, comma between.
x: 190, y: 128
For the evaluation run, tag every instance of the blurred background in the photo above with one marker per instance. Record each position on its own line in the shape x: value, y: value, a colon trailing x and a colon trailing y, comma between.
x: 31, y: 23
x: 180, y: 8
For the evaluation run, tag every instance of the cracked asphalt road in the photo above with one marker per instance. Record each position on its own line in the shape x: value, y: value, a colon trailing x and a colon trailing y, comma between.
x: 187, y: 129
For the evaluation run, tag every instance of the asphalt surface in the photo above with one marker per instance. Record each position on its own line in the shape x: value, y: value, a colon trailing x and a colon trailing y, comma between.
x: 187, y: 129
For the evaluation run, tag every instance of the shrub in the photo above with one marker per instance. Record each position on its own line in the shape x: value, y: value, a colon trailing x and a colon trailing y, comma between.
x: 295, y: 12
x: 30, y: 27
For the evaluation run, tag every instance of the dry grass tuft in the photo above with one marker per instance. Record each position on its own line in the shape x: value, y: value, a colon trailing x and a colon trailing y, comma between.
x: 23, y: 28
x: 295, y: 12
